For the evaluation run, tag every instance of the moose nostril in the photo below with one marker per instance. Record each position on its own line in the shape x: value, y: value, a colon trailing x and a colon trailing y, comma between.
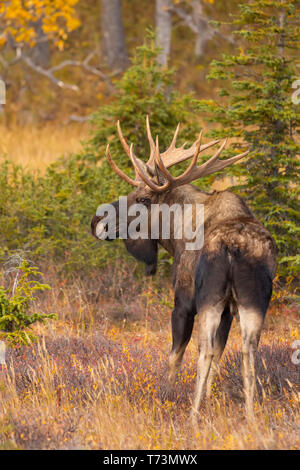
x: 101, y: 230
x: 94, y: 222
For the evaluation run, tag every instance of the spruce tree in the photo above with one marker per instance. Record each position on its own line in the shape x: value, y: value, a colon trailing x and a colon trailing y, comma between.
x: 146, y: 88
x: 256, y: 107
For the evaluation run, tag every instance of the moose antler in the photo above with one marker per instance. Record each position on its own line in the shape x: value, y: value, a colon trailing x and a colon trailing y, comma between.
x: 170, y: 157
x: 117, y: 169
x: 173, y: 155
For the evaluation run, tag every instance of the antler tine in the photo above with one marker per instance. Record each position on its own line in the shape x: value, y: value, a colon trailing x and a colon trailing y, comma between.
x: 218, y: 152
x: 209, y: 162
x: 161, y: 164
x: 214, y: 164
x: 175, y: 155
x: 173, y: 143
x: 122, y: 139
x: 221, y: 164
x: 142, y: 175
x: 125, y: 145
x: 151, y: 160
x: 195, y: 158
x: 211, y: 166
x: 175, y: 180
x: 117, y: 170
x: 206, y: 168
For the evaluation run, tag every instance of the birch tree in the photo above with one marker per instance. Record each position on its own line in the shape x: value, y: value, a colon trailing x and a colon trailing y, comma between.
x: 114, y: 51
x: 163, y: 26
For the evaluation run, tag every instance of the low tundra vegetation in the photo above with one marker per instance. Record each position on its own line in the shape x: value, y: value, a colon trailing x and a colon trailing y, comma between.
x: 96, y: 378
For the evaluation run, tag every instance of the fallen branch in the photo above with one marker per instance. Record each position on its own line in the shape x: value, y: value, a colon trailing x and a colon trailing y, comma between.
x: 85, y: 64
x: 49, y: 74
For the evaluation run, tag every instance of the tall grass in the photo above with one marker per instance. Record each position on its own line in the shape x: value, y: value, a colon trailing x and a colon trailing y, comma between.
x: 35, y: 147
x: 96, y: 379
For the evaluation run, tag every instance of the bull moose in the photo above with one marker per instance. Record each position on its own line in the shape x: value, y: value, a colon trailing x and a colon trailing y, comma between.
x: 230, y: 274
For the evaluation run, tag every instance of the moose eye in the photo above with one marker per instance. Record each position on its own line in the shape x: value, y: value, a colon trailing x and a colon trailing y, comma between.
x: 143, y: 200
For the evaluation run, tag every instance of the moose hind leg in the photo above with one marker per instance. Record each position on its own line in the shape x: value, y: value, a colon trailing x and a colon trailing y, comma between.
x: 182, y: 327
x: 220, y: 343
x: 212, y: 287
x: 209, y: 321
x: 253, y: 289
x: 251, y: 321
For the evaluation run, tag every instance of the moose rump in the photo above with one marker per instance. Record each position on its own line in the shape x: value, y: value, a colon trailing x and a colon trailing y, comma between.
x: 229, y: 281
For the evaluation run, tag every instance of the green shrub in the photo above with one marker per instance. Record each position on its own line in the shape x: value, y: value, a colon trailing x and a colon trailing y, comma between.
x: 14, y: 318
x: 50, y: 215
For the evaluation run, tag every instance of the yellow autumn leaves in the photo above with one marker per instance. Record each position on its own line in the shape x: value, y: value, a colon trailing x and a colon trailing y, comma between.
x: 18, y: 18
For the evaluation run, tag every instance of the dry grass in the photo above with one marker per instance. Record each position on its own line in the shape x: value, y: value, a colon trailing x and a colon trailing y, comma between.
x: 35, y: 147
x: 96, y: 380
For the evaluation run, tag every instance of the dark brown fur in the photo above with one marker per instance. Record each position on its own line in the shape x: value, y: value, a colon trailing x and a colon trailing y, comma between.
x: 233, y: 272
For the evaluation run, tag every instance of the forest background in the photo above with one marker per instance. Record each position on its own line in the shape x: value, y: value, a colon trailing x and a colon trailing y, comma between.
x: 69, y: 70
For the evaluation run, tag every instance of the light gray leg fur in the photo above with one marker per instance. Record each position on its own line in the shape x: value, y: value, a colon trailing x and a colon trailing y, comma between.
x: 209, y: 321
x: 251, y: 321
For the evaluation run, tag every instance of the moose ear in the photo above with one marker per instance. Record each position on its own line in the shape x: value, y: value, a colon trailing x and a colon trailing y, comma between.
x: 161, y: 179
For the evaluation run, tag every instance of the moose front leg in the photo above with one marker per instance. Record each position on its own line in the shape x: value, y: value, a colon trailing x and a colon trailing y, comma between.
x: 182, y: 327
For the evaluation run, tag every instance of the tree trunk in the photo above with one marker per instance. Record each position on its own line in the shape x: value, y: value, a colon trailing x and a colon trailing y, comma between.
x: 163, y: 26
x: 203, y: 29
x: 114, y: 49
x: 40, y: 53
